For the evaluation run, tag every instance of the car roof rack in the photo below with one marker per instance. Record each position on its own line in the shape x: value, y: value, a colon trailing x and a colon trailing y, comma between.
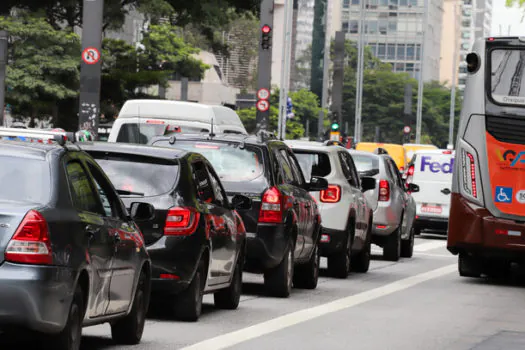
x: 333, y: 143
x: 381, y: 151
x: 264, y: 135
x: 39, y: 136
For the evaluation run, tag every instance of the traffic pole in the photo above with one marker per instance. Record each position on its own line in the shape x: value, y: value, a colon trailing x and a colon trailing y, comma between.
x: 264, y: 76
x: 90, y: 66
x: 453, y: 88
x: 421, y: 85
x: 285, y: 67
x: 3, y: 64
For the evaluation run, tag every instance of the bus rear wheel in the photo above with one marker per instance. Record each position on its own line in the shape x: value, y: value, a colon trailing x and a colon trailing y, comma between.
x: 469, y: 266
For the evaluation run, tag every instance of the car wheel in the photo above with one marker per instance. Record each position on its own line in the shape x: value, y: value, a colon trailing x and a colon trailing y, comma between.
x: 469, y: 266
x: 306, y: 276
x: 498, y: 269
x: 339, y: 264
x: 129, y: 330
x: 228, y: 298
x: 392, y: 248
x: 361, y: 262
x: 71, y: 335
x: 279, y: 280
x: 188, y: 304
x: 407, y: 247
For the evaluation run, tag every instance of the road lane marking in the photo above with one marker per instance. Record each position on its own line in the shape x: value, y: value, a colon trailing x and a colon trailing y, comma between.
x: 437, y: 255
x: 425, y: 247
x: 242, y: 335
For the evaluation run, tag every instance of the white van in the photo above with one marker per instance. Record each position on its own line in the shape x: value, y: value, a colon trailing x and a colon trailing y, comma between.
x: 140, y: 120
x: 432, y: 171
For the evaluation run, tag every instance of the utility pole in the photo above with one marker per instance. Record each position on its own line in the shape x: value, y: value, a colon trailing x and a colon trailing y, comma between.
x: 421, y: 85
x: 337, y: 90
x: 265, y: 62
x: 3, y: 63
x: 326, y: 71
x: 359, y: 75
x: 90, y: 67
x: 453, y: 88
x: 285, y: 67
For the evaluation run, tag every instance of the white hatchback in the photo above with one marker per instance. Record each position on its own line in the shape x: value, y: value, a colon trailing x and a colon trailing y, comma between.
x: 432, y: 171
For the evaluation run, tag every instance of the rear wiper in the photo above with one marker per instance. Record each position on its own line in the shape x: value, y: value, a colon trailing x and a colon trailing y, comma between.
x: 130, y: 193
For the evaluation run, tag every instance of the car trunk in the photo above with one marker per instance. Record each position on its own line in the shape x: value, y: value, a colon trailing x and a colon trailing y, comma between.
x: 11, y: 215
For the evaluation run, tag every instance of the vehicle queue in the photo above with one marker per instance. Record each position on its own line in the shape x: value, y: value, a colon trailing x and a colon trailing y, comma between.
x: 167, y: 213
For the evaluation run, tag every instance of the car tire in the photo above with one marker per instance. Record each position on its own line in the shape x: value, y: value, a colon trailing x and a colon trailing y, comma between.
x: 407, y: 247
x: 306, y: 276
x: 129, y: 330
x: 340, y: 264
x: 71, y: 336
x: 188, y: 304
x: 498, y: 269
x: 392, y: 248
x: 229, y: 298
x: 279, y: 280
x: 469, y: 266
x: 361, y: 262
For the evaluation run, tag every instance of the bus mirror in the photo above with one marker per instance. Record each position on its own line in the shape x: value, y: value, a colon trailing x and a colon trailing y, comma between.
x: 473, y: 62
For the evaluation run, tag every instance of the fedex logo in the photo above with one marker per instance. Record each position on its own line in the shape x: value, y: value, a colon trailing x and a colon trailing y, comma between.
x: 436, y: 167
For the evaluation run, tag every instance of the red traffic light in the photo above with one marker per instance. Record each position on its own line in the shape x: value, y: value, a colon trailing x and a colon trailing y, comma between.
x: 266, y: 29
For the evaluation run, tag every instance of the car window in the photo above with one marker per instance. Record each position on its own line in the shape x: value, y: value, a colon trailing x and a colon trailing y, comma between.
x: 202, y: 182
x: 82, y: 192
x: 395, y: 172
x: 220, y: 196
x: 24, y: 179
x: 110, y: 201
x: 298, y: 175
x: 286, y: 168
x: 353, y: 171
x: 313, y: 163
x: 346, y: 168
x: 367, y: 165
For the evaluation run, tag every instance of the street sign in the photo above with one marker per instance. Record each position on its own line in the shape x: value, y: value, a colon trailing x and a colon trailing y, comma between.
x: 263, y: 94
x: 407, y: 129
x: 263, y: 105
x: 335, y: 136
x: 91, y: 55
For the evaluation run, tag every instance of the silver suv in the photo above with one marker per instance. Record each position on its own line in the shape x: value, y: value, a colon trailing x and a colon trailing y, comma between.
x: 393, y: 206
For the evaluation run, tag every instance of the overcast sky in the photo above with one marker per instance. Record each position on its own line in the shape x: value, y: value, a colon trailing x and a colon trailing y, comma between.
x: 503, y: 17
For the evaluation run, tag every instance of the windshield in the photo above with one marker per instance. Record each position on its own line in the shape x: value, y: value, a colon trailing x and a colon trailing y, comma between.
x: 23, y: 179
x: 231, y: 163
x: 139, y: 176
x: 143, y: 133
x: 313, y: 164
x: 366, y: 164
x: 508, y: 69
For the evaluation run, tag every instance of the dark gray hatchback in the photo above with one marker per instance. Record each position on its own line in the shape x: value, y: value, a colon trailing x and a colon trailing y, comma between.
x: 73, y: 256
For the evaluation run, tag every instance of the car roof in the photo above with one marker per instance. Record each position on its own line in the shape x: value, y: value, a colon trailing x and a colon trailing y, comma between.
x: 134, y: 149
x: 247, y: 139
x: 22, y: 149
x: 363, y: 153
x: 312, y: 146
x: 447, y: 152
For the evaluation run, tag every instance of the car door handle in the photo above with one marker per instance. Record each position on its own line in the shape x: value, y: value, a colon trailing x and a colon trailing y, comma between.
x: 445, y: 191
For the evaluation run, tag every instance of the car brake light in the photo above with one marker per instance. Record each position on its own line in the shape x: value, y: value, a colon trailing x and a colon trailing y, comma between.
x: 181, y: 221
x: 271, y: 207
x: 384, y: 191
x: 410, y: 171
x: 207, y: 146
x: 30, y: 243
x: 154, y: 122
x: 447, y: 152
x: 331, y: 195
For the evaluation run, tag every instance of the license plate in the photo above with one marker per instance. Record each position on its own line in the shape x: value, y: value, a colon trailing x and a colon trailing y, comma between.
x: 432, y: 209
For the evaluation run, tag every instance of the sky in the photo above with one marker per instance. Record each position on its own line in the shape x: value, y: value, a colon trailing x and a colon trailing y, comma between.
x: 503, y: 17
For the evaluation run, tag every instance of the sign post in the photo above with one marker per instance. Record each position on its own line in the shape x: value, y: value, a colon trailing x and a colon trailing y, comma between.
x: 90, y: 66
x: 265, y: 60
x: 3, y: 64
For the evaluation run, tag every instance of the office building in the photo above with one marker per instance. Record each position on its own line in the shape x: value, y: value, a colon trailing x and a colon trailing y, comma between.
x: 450, y: 41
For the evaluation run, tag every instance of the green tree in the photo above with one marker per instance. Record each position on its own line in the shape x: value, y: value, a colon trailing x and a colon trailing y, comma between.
x: 43, y: 66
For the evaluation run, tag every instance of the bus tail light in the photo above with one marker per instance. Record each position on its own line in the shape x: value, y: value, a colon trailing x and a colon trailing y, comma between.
x: 469, y: 174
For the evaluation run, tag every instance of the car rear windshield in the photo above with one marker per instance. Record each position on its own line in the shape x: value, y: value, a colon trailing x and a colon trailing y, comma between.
x: 231, y: 162
x: 24, y: 179
x: 313, y: 163
x: 368, y: 165
x: 142, y: 133
x: 138, y: 176
x: 508, y: 71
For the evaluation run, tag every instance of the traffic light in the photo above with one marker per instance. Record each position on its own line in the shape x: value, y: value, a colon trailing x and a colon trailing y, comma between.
x: 266, y: 41
x: 335, y: 125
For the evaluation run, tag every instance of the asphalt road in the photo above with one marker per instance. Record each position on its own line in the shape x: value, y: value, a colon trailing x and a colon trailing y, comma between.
x: 418, y: 303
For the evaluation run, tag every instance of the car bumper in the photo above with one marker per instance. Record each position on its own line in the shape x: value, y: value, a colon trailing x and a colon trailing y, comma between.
x: 266, y: 248
x: 332, y: 242
x: 385, y: 220
x: 474, y: 230
x: 432, y: 223
x: 35, y: 297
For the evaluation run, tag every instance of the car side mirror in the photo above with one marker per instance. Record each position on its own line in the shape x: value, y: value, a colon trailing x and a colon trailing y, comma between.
x: 412, y: 188
x: 241, y: 202
x: 142, y: 211
x: 317, y: 184
x: 368, y: 183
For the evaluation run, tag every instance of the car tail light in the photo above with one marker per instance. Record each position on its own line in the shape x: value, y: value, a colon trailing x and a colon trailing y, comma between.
x: 181, y: 221
x: 158, y: 122
x: 384, y: 191
x: 410, y: 171
x: 271, y: 207
x: 447, y: 152
x: 30, y: 243
x: 331, y: 195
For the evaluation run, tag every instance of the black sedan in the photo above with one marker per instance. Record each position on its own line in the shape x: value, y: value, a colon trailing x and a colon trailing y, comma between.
x: 194, y: 236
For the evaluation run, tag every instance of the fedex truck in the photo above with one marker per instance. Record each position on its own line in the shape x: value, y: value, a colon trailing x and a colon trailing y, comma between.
x: 432, y: 171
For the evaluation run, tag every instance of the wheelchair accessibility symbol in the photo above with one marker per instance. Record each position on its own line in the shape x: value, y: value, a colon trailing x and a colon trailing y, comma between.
x: 503, y: 194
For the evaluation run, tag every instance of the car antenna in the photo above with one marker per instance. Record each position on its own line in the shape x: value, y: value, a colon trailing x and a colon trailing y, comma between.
x: 212, y: 134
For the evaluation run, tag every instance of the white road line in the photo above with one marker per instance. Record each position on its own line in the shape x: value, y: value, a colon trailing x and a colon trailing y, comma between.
x: 294, y: 318
x: 430, y: 246
x: 437, y: 255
